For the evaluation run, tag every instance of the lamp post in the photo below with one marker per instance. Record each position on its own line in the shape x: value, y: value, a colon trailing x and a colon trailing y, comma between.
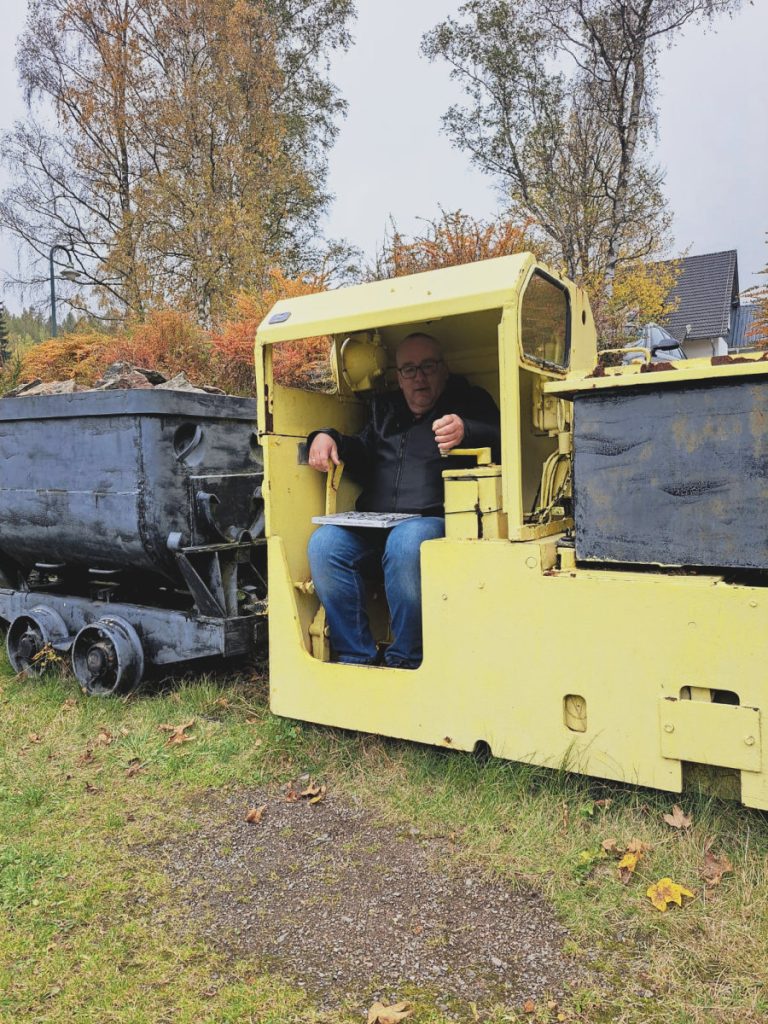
x: 69, y: 275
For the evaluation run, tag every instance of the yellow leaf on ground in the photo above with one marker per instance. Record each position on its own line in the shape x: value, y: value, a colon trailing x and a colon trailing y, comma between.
x: 312, y: 789
x: 678, y: 818
x: 319, y: 796
x: 381, y: 1014
x: 714, y: 868
x: 627, y: 866
x: 254, y: 816
x: 665, y: 891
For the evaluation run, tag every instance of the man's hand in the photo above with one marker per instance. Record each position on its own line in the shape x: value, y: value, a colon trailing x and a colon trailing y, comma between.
x: 449, y: 431
x: 323, y: 453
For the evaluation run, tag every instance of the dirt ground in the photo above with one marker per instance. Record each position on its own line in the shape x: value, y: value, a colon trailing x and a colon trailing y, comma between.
x: 352, y: 911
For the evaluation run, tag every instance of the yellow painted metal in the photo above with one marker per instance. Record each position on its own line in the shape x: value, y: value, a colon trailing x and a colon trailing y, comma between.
x: 523, y: 649
x: 707, y: 733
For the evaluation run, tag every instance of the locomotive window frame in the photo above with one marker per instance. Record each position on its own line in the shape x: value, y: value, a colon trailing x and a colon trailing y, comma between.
x: 530, y: 358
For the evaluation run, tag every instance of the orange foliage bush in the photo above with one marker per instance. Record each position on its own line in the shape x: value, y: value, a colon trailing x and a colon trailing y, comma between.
x: 296, y: 364
x: 452, y: 239
x: 170, y: 341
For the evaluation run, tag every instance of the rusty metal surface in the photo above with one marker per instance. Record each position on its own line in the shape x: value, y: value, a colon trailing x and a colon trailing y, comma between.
x: 674, y: 475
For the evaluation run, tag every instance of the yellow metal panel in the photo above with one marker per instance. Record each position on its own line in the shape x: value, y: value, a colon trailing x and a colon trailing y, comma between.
x: 416, y: 297
x: 685, y: 371
x: 716, y: 734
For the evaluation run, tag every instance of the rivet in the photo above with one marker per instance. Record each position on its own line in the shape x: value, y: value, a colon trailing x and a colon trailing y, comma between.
x: 753, y: 604
x: 692, y: 625
x: 444, y: 597
x: 481, y: 586
x: 531, y: 562
x: 668, y: 727
x: 749, y: 740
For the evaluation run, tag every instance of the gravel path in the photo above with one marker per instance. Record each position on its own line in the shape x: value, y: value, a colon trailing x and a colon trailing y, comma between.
x: 353, y: 911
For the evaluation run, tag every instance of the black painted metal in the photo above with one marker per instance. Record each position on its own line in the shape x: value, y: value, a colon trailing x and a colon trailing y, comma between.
x: 132, y: 518
x: 673, y: 475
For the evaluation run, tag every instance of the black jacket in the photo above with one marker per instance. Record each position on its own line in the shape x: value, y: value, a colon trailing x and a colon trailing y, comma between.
x: 396, y: 458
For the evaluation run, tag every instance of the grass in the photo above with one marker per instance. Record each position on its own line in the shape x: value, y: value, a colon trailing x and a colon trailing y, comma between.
x: 90, y: 932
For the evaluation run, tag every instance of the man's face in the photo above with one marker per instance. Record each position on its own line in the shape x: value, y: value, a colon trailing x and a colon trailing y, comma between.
x: 423, y: 390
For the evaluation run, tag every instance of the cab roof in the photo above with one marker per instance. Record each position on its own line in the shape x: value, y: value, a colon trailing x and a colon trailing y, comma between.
x: 488, y: 284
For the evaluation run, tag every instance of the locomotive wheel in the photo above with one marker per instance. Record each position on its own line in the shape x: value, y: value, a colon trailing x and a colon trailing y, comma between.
x: 107, y: 658
x: 31, y: 636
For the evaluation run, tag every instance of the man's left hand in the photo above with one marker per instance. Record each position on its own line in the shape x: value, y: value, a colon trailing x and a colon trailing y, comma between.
x: 449, y: 431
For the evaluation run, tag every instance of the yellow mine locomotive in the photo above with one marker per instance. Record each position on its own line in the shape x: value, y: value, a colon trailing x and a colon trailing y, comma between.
x: 596, y: 602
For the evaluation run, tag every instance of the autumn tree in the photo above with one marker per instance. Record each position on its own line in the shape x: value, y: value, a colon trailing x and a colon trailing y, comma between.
x: 177, y: 147
x: 452, y: 238
x: 758, y: 329
x: 560, y: 112
x: 5, y: 351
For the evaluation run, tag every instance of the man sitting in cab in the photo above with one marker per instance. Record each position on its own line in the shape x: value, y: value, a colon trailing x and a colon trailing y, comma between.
x: 398, y: 461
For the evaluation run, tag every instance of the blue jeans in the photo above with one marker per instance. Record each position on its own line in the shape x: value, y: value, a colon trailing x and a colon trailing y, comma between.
x: 342, y: 558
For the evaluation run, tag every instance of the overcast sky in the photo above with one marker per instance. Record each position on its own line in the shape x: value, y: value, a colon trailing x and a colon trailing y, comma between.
x: 392, y: 159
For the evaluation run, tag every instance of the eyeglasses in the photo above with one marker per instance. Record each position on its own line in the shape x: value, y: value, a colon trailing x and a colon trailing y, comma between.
x: 428, y: 367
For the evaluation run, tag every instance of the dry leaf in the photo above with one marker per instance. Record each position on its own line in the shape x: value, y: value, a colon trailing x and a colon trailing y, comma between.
x: 665, y: 891
x: 627, y: 866
x: 678, y: 818
x: 381, y: 1014
x: 85, y: 758
x: 34, y: 737
x: 255, y: 814
x: 177, y: 732
x: 714, y: 868
x: 134, y: 767
x: 319, y: 796
x: 104, y: 739
x: 291, y: 796
x: 68, y: 704
x: 312, y: 789
x: 252, y: 721
x: 91, y: 790
x: 611, y: 846
x: 529, y: 1006
x: 638, y: 846
x: 604, y: 804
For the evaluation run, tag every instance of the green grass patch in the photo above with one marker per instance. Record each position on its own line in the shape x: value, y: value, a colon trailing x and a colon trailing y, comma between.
x: 89, y: 930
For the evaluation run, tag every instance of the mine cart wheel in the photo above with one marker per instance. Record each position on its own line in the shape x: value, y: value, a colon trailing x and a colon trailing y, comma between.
x: 107, y: 657
x: 34, y: 640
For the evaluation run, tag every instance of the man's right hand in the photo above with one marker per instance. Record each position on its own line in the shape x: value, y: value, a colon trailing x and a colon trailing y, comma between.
x: 323, y: 453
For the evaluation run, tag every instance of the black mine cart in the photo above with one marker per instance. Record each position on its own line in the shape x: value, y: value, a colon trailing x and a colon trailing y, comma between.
x: 130, y: 531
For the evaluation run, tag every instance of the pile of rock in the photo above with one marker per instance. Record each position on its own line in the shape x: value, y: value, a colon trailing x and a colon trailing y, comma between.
x: 118, y: 375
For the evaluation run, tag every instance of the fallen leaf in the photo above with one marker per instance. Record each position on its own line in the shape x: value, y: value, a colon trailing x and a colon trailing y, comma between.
x: 381, y: 1014
x: 291, y: 796
x: 627, y: 866
x: 678, y: 818
x: 312, y: 789
x: 714, y: 868
x: 104, y: 739
x: 177, y: 733
x: 665, y: 891
x: 611, y: 846
x: 85, y: 758
x: 638, y: 846
x: 34, y: 737
x: 252, y: 721
x: 255, y: 814
x: 604, y: 804
x: 320, y: 795
x: 134, y: 767
x: 90, y: 789
x: 529, y: 1006
x: 68, y: 704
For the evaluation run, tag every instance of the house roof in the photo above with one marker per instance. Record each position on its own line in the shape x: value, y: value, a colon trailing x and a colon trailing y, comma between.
x: 741, y: 321
x: 705, y: 294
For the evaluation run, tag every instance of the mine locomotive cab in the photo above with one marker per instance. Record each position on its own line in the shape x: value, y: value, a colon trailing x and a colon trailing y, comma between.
x: 509, y: 326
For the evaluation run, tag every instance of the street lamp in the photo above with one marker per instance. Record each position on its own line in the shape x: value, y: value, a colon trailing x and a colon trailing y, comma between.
x: 69, y: 274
